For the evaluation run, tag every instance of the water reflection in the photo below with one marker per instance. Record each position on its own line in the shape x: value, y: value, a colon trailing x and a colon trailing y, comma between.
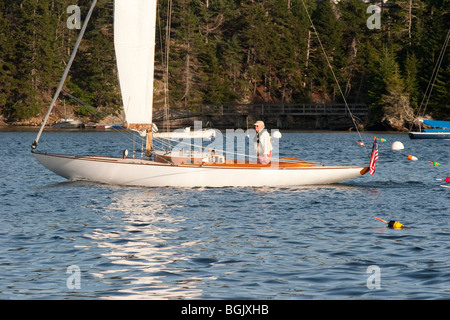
x: 145, y: 263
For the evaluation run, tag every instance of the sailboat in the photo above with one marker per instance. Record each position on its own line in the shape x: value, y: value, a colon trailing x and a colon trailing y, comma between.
x: 134, y: 39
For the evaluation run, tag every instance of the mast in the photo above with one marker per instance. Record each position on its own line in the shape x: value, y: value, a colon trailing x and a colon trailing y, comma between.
x: 66, y: 72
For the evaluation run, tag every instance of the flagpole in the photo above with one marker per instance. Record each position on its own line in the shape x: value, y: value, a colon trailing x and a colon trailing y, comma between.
x: 373, y: 156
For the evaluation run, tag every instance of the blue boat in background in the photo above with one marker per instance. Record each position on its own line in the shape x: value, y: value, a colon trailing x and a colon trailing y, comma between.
x: 440, y: 130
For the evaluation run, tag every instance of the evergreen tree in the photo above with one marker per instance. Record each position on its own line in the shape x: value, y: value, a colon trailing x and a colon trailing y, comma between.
x: 382, y: 70
x: 233, y: 51
x: 93, y: 77
x: 397, y: 112
x: 185, y: 73
x: 30, y: 37
x: 440, y: 103
x: 357, y: 43
x: 6, y: 66
x: 329, y: 28
x: 411, y: 79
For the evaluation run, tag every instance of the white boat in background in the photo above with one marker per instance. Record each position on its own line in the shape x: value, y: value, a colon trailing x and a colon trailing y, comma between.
x: 68, y: 124
x: 134, y: 32
x: 105, y: 126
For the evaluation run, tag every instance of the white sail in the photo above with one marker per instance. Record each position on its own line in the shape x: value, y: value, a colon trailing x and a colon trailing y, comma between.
x: 134, y: 40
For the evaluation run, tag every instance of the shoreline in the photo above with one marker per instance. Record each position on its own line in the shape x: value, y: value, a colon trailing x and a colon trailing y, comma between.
x: 23, y: 128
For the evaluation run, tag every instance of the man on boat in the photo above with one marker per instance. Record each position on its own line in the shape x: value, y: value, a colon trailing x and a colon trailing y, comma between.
x: 263, y: 145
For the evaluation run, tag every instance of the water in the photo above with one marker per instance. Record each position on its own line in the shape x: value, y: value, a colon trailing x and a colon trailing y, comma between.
x: 228, y: 243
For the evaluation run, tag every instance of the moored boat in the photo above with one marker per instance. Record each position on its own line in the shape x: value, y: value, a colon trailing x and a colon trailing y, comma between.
x: 439, y: 130
x: 69, y: 124
x: 134, y: 29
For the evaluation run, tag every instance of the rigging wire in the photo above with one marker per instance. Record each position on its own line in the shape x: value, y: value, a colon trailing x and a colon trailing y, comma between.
x: 63, y: 78
x: 166, y: 69
x: 167, y: 141
x: 201, y: 147
x: 433, y: 77
x: 99, y: 115
x: 334, y: 76
x: 166, y: 54
x: 66, y: 72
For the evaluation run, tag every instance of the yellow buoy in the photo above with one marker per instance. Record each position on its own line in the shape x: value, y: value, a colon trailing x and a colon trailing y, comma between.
x: 393, y: 224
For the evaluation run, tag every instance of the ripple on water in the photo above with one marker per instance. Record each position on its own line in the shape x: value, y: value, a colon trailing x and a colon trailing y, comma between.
x: 227, y: 243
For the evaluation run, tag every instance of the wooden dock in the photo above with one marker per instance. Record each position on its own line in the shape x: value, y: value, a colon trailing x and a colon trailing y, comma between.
x: 275, y: 112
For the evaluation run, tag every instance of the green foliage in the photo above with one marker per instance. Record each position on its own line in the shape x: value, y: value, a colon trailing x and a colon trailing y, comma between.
x: 411, y: 73
x: 35, y: 45
x: 233, y: 51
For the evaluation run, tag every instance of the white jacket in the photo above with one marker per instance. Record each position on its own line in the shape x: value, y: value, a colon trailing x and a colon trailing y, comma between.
x: 263, y: 145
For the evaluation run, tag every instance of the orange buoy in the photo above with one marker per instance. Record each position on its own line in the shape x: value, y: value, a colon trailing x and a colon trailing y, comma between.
x: 412, y: 158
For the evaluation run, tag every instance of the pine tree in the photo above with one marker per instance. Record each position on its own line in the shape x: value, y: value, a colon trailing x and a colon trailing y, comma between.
x: 6, y: 66
x: 233, y: 51
x: 440, y: 99
x: 93, y: 77
x: 32, y: 42
x: 382, y: 70
x: 411, y: 79
x: 185, y: 73
x: 356, y: 39
x: 329, y: 29
x: 396, y: 106
x: 432, y: 28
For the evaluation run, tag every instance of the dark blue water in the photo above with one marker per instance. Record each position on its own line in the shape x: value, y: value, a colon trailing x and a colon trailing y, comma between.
x: 229, y: 243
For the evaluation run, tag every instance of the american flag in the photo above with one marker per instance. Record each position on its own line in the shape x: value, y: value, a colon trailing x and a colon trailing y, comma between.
x: 373, y: 157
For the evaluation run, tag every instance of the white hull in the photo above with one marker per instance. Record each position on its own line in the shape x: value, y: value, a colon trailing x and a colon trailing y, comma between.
x: 137, y: 172
x: 429, y: 135
x: 68, y: 124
